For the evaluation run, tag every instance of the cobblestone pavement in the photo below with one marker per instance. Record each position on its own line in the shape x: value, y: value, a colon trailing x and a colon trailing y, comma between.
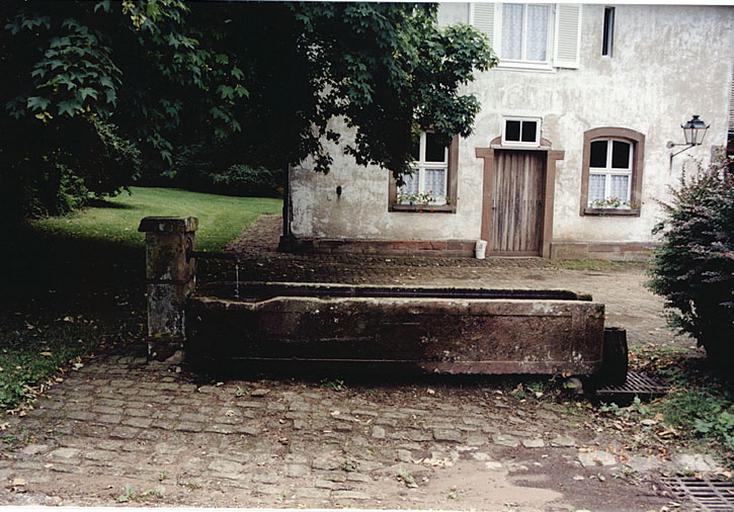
x: 122, y: 430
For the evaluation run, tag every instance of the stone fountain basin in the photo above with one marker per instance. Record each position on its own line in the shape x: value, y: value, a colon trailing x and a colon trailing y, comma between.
x: 439, y: 330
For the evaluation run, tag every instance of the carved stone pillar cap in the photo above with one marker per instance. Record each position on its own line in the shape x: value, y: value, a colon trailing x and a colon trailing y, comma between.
x: 168, y: 225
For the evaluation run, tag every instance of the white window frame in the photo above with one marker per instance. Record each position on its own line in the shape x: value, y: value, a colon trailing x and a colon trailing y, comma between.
x: 534, y: 144
x: 609, y: 171
x: 523, y: 63
x: 421, y: 165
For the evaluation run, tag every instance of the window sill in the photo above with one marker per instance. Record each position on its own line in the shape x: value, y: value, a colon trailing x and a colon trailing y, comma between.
x: 526, y: 66
x: 523, y: 147
x: 611, y: 212
x: 422, y: 208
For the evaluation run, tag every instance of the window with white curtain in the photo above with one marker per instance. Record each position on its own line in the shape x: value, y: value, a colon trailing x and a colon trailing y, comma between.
x: 531, y: 36
x: 525, y: 33
x: 610, y: 173
x: 428, y: 182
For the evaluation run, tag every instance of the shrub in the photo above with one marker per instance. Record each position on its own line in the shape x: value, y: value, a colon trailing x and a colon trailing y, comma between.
x: 694, y: 266
x: 240, y: 179
x: 205, y: 168
x: 57, y: 182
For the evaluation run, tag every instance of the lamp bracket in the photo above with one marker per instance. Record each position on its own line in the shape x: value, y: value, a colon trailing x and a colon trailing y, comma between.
x: 670, y: 144
x: 686, y: 148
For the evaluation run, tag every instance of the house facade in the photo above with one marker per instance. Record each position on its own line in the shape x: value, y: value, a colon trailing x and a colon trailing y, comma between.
x: 568, y: 157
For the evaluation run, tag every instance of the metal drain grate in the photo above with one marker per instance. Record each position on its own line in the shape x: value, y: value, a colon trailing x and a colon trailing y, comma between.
x: 710, y: 495
x: 637, y: 384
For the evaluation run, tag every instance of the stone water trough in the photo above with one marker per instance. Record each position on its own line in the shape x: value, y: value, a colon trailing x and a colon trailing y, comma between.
x: 437, y: 330
x: 429, y: 329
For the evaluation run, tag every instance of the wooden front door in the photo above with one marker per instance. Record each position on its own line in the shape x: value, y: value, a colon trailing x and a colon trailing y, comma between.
x: 517, y: 202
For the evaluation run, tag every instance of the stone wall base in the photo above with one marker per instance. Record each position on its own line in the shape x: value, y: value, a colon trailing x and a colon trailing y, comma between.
x: 610, y: 251
x: 387, y: 247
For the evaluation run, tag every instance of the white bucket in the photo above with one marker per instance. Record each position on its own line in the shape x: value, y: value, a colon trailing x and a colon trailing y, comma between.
x: 480, y: 249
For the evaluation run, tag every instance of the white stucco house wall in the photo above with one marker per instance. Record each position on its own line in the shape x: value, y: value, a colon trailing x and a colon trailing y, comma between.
x: 568, y: 155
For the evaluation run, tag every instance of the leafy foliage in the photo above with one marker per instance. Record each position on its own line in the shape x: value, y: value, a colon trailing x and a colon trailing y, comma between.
x: 698, y: 412
x: 197, y: 169
x: 694, y: 267
x: 236, y: 180
x: 635, y: 410
x: 703, y: 413
x: 102, y: 90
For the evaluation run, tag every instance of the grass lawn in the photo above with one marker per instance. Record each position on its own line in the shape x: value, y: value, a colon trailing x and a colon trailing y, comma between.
x: 75, y: 285
x: 221, y: 218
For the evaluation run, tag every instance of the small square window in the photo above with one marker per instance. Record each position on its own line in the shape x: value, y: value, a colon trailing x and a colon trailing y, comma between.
x: 522, y: 131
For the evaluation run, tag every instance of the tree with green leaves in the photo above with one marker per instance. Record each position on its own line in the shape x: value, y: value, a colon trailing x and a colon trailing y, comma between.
x: 95, y: 93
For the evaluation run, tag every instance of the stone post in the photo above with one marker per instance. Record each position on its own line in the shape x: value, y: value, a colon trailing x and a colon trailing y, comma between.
x: 170, y: 272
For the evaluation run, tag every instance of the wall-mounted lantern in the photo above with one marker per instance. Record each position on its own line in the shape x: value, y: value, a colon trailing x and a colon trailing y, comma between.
x: 693, y: 131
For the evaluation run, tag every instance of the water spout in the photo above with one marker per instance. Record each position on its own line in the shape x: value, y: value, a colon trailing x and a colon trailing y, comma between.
x: 237, y: 279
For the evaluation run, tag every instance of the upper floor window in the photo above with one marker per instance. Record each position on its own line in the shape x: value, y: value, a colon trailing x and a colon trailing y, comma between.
x: 531, y: 36
x: 607, y: 43
x: 525, y: 33
x: 612, y: 171
x: 432, y: 185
